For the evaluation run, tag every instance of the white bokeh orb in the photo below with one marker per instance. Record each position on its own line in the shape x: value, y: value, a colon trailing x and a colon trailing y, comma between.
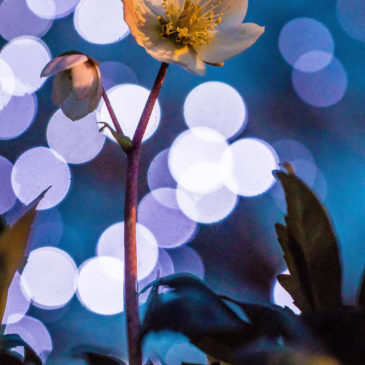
x: 247, y: 167
x: 100, y: 285
x: 49, y: 277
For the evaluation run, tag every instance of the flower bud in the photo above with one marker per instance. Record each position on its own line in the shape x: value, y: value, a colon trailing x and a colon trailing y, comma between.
x: 77, y: 87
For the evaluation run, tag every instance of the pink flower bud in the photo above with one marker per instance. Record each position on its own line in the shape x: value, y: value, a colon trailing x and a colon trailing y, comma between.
x: 77, y: 87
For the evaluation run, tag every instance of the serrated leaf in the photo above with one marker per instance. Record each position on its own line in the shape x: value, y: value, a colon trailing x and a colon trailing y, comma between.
x: 294, y: 258
x: 361, y: 295
x: 192, y: 309
x: 13, y: 242
x: 311, y: 246
x: 292, y: 286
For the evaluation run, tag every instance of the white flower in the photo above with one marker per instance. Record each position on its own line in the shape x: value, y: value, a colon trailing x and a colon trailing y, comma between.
x: 191, y: 32
x: 77, y: 87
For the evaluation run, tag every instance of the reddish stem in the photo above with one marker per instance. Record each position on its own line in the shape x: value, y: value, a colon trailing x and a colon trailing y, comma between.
x: 130, y: 220
x: 111, y: 113
x: 147, y: 111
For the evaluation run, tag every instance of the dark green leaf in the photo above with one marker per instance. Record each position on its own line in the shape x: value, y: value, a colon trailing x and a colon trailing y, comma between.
x: 342, y: 330
x: 361, y: 295
x: 310, y: 246
x: 273, y: 322
x: 295, y: 283
x: 293, y: 287
x: 191, y: 308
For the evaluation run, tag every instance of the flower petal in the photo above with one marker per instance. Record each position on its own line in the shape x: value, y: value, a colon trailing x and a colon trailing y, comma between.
x: 229, y: 42
x: 169, y: 52
x: 95, y: 96
x: 62, y: 86
x: 233, y: 11
x: 62, y: 63
x: 142, y: 21
x: 75, y: 109
x: 85, y: 79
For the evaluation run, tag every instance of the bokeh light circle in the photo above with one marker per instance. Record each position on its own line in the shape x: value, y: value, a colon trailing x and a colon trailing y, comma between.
x: 50, y: 9
x: 128, y: 102
x: 160, y: 213
x: 351, y: 15
x: 291, y: 149
x: 26, y: 56
x: 207, y: 208
x: 115, y: 73
x: 6, y: 83
x: 36, y: 170
x: 17, y: 303
x: 158, y: 175
x: 216, y: 105
x: 7, y: 196
x: 187, y: 260
x: 100, y: 285
x: 16, y: 19
x: 18, y: 115
x: 100, y: 22
x: 77, y: 142
x: 247, y: 167
x: 323, y: 88
x: 111, y: 243
x: 49, y: 277
x: 306, y: 44
x: 34, y: 333
x: 282, y: 297
x: 194, y: 159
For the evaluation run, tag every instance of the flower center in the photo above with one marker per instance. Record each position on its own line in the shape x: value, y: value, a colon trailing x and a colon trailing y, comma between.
x: 190, y: 24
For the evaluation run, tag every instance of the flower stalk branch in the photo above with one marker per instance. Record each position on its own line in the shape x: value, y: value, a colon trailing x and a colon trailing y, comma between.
x: 112, y: 113
x: 130, y: 221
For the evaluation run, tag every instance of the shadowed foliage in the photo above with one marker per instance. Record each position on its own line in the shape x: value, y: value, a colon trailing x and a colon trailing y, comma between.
x: 327, y: 333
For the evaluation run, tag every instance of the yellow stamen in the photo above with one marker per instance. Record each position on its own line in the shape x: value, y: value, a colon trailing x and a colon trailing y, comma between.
x: 191, y: 24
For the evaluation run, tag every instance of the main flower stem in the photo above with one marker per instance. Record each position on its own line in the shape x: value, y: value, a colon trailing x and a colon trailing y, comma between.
x: 130, y: 221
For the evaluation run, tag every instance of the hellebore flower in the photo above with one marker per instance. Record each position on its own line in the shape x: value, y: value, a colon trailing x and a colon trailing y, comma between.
x: 191, y: 32
x: 77, y: 87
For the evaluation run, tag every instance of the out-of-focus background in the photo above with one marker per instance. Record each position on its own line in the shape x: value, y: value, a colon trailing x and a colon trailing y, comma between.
x: 208, y: 200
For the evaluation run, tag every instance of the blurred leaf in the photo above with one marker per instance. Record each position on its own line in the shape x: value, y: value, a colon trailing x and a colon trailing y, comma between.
x: 13, y: 242
x: 274, y: 322
x: 9, y: 359
x: 361, y: 295
x: 3, y: 224
x: 97, y: 357
x: 192, y: 309
x: 310, y: 247
x: 9, y: 341
x: 342, y: 330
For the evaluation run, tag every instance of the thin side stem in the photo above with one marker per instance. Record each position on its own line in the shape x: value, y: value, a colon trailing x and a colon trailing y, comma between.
x: 112, y: 114
x: 147, y: 111
x: 130, y: 221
